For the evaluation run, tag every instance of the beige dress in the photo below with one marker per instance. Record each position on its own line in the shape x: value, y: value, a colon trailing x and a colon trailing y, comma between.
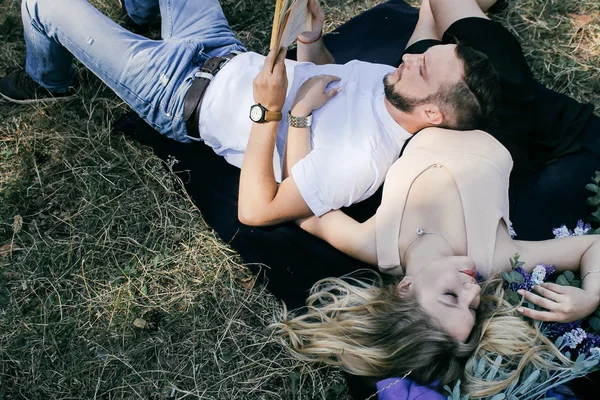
x: 480, y: 166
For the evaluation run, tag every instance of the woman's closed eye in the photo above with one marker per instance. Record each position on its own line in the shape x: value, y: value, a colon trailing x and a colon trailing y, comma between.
x: 454, y: 296
x: 451, y: 294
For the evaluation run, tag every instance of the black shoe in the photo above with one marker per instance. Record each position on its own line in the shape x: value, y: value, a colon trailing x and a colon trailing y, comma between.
x: 18, y: 87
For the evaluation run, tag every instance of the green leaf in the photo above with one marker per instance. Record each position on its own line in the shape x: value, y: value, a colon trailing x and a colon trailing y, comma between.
x: 493, y: 371
x: 506, y: 277
x: 596, y: 215
x: 512, y: 296
x: 514, y: 261
x: 337, y: 389
x: 500, y: 396
x: 456, y: 391
x: 517, y: 277
x: 569, y: 275
x: 592, y: 187
x: 593, y: 201
x: 156, y: 260
x: 480, y: 369
x: 512, y: 386
x: 529, y: 381
x: 295, y: 378
x: 144, y: 289
x: 561, y: 280
x: 595, y: 324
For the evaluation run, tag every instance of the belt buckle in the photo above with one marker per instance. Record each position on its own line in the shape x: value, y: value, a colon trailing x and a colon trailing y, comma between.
x: 222, y: 63
x: 210, y: 74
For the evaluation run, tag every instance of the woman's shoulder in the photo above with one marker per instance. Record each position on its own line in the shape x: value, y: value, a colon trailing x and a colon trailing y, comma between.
x: 450, y: 144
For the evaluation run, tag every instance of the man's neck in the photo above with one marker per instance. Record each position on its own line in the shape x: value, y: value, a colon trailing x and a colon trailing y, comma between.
x: 406, y: 121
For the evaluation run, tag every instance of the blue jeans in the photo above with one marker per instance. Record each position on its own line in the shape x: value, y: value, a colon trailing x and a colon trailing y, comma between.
x: 151, y: 76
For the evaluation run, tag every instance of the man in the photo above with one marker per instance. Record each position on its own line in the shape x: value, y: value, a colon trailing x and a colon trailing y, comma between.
x: 356, y: 136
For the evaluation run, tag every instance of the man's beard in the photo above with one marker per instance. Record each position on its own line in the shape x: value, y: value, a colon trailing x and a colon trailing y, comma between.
x: 401, y: 102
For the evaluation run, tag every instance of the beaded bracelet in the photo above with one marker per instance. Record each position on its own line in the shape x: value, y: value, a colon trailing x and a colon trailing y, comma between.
x: 311, y: 42
x: 589, y: 272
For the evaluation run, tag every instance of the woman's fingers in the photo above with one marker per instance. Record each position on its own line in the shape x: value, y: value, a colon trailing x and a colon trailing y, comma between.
x: 554, y: 287
x: 537, y: 315
x: 548, y: 304
x: 547, y: 293
x: 332, y: 92
x: 330, y: 78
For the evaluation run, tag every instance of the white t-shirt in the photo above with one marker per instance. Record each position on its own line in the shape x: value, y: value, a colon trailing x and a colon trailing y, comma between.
x: 354, y: 139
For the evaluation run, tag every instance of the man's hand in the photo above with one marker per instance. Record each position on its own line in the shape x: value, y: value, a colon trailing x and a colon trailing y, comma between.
x: 564, y: 303
x: 318, y: 18
x: 312, y: 94
x: 270, y: 85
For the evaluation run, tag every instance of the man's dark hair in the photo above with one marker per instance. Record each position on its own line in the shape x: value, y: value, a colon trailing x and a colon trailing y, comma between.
x: 470, y: 103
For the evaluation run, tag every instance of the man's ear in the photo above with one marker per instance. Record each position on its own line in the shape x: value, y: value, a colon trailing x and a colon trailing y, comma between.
x: 431, y: 114
x: 404, y: 286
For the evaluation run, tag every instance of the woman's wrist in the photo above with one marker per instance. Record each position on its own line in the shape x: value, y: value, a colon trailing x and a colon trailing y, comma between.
x: 299, y: 111
x: 307, y: 40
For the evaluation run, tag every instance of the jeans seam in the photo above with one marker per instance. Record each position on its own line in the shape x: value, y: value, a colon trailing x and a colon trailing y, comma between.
x: 91, y: 61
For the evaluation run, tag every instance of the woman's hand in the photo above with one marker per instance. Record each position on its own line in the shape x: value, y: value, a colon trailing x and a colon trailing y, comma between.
x: 318, y: 18
x: 270, y: 85
x: 312, y: 94
x: 564, y: 303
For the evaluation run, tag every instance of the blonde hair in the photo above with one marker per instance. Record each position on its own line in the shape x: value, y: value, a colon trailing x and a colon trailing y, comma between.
x: 504, y: 332
x: 366, y: 329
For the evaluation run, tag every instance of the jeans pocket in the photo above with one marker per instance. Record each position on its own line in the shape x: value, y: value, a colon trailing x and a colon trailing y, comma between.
x: 172, y: 106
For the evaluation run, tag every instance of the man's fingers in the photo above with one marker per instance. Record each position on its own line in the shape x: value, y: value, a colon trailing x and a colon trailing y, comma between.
x: 537, y: 300
x: 534, y: 314
x: 271, y: 55
x: 279, y: 62
x: 560, y: 289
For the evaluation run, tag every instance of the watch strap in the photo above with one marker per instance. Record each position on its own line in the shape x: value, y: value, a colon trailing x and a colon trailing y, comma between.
x: 273, y: 115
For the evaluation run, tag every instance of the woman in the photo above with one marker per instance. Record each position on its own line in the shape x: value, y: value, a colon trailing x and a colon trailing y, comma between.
x: 444, y: 214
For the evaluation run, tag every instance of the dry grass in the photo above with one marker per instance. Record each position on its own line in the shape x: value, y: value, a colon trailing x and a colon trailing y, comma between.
x: 114, y: 288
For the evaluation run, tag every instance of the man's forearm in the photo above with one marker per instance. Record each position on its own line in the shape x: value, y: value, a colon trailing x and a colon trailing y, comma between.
x: 315, y: 53
x: 258, y: 186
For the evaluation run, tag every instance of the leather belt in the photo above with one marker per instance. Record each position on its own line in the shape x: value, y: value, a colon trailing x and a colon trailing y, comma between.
x: 193, y: 98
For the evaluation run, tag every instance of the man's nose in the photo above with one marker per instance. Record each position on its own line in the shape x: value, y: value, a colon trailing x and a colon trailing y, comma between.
x: 411, y: 60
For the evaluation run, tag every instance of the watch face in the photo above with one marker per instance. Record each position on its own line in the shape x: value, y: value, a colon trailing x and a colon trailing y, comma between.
x: 256, y: 113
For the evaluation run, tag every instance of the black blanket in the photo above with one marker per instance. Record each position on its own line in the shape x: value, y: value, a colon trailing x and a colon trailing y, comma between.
x: 293, y: 260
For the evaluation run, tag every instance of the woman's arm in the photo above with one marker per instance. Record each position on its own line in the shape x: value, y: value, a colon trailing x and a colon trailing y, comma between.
x: 564, y: 304
x: 345, y: 234
x: 312, y: 95
x: 339, y: 230
x: 311, y: 47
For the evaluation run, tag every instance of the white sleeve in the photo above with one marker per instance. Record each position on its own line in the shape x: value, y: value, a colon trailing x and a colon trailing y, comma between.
x: 329, y: 179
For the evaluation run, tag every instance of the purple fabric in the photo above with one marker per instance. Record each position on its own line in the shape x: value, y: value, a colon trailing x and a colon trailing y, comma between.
x: 406, y: 389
